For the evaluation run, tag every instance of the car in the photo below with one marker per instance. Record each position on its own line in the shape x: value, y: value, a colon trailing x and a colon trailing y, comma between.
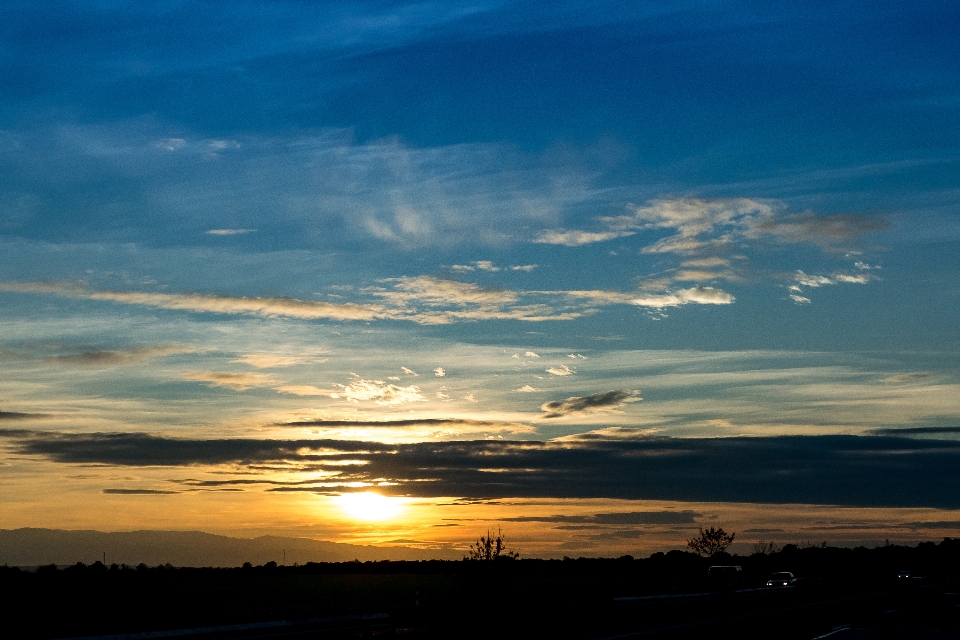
x: 903, y: 574
x: 781, y: 579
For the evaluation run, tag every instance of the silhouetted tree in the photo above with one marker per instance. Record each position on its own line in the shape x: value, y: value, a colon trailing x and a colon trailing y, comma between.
x: 710, y: 542
x: 766, y: 548
x: 492, y: 548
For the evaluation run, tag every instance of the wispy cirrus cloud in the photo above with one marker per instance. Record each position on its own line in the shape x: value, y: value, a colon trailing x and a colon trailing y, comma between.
x: 198, y: 303
x: 422, y: 299
x: 705, y: 234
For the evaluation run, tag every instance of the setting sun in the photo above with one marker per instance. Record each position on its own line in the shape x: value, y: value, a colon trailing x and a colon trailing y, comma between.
x: 369, y: 506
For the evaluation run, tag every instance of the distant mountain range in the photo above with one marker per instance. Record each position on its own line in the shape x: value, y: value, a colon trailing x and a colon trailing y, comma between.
x: 33, y: 547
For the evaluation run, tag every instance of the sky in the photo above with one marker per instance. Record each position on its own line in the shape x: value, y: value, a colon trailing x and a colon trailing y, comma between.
x: 394, y: 273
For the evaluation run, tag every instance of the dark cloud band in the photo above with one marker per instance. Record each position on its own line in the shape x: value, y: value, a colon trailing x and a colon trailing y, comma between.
x: 842, y: 470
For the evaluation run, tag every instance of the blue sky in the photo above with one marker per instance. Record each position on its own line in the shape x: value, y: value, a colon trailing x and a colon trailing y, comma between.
x: 412, y: 223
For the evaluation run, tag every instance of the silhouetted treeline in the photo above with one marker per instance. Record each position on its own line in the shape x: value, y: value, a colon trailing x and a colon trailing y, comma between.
x: 96, y: 599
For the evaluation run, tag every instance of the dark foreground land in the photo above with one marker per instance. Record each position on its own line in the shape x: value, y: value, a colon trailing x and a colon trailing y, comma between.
x: 843, y: 594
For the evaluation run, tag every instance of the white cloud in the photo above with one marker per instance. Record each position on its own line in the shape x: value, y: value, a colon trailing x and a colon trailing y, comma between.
x: 526, y: 389
x: 439, y: 372
x: 561, y: 370
x: 409, y: 372
x: 229, y: 232
x: 811, y: 281
x: 170, y: 144
x: 530, y: 354
x: 802, y: 279
x: 523, y: 267
x: 360, y: 390
x: 578, y: 238
x: 470, y: 398
x: 696, y: 295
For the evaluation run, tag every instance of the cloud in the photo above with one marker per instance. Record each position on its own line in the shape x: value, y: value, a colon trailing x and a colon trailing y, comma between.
x: 229, y: 232
x: 423, y: 299
x: 138, y: 492
x: 118, y: 357
x: 436, y: 292
x: 526, y: 389
x: 801, y: 279
x: 235, y: 381
x: 804, y: 280
x: 439, y: 372
x: 530, y: 354
x: 170, y: 144
x: 701, y: 226
x: 409, y: 372
x: 304, y: 390
x: 698, y: 225
x: 198, y: 303
x: 618, y: 518
x: 360, y: 390
x: 605, y: 401
x: 12, y: 416
x: 578, y: 238
x: 696, y: 295
x: 411, y: 422
x: 824, y: 230
x: 905, y: 377
x: 430, y: 300
x: 856, y: 471
x: 273, y: 361
x: 561, y: 370
x: 916, y: 431
x: 707, y: 232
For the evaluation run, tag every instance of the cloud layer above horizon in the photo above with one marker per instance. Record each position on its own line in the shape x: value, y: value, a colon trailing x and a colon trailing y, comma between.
x: 458, y: 250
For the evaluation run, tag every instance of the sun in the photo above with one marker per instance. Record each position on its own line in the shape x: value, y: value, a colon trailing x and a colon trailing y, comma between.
x: 370, y: 506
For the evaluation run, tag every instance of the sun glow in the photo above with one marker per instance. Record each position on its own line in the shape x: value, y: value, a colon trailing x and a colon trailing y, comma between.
x: 370, y: 506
